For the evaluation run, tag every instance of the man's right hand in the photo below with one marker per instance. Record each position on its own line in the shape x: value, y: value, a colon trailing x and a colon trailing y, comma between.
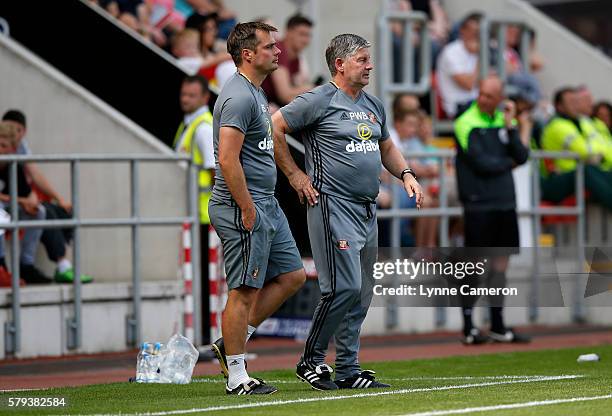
x: 303, y: 186
x: 249, y: 215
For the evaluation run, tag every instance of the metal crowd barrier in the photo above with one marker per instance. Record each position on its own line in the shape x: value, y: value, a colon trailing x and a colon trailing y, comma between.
x: 534, y: 212
x: 500, y: 25
x: 134, y: 221
x: 385, y: 84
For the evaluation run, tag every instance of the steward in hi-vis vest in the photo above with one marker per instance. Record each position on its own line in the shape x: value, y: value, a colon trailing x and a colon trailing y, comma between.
x: 183, y: 142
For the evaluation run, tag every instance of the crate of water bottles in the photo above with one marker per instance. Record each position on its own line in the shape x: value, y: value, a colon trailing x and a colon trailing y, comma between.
x: 172, y: 362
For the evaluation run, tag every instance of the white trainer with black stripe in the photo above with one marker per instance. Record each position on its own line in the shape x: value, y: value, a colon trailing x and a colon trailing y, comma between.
x: 319, y: 377
x: 363, y: 380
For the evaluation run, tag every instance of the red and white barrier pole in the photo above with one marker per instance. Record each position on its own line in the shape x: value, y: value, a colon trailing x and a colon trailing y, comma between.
x: 216, y: 283
x: 188, y: 283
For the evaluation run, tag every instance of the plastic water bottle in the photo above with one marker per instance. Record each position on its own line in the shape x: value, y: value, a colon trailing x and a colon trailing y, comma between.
x: 142, y: 362
x: 154, y: 361
x: 180, y: 359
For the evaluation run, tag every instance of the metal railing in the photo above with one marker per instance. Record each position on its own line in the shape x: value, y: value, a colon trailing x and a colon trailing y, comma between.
x: 487, y: 27
x: 134, y: 221
x: 386, y: 84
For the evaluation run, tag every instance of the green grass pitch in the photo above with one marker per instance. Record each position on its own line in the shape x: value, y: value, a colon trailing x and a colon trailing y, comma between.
x: 418, y: 386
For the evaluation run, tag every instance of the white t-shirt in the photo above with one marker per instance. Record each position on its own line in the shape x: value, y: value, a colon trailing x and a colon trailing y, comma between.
x: 190, y: 64
x: 453, y: 60
x: 224, y: 71
x: 203, y: 137
x: 23, y: 148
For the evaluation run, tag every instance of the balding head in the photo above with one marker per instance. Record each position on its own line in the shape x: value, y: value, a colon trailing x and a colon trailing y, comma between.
x: 490, y: 94
x: 584, y: 101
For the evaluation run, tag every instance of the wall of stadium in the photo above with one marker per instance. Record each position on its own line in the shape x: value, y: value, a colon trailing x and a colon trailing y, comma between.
x: 63, y: 118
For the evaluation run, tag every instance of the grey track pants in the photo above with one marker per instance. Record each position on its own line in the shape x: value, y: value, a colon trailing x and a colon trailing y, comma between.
x: 344, y: 239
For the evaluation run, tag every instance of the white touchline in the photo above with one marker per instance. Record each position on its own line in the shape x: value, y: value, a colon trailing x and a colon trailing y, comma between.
x: 508, y: 406
x: 15, y: 390
x: 508, y: 377
x: 346, y: 396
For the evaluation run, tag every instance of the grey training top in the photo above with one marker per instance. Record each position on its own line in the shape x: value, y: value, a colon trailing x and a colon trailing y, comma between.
x: 341, y: 136
x: 242, y: 106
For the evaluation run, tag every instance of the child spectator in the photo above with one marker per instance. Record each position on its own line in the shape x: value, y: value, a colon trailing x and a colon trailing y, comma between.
x: 185, y: 47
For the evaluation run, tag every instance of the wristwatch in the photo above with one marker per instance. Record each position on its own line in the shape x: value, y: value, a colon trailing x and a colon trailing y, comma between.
x: 410, y: 171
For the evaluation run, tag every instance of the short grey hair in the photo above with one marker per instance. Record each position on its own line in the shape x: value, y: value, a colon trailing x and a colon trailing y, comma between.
x: 343, y: 46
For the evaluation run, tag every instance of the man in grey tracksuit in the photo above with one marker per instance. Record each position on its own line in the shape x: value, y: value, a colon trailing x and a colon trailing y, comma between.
x: 346, y: 138
x: 262, y: 262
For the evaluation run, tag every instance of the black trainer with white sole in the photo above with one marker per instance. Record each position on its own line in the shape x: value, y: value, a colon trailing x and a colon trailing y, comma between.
x: 474, y: 337
x: 509, y: 336
x: 253, y: 386
x: 319, y: 378
x: 363, y: 380
x: 218, y: 347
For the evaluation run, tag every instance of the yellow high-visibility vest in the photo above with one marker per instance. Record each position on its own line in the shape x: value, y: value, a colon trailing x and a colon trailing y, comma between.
x: 204, y: 175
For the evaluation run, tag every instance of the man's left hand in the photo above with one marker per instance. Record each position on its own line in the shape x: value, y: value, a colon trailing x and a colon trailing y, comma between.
x: 413, y: 188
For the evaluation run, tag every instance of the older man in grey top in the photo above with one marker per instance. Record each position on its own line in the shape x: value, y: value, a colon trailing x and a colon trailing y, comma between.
x: 262, y: 261
x: 346, y: 139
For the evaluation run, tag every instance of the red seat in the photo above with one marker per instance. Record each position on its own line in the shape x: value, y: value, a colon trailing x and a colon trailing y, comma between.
x: 569, y: 201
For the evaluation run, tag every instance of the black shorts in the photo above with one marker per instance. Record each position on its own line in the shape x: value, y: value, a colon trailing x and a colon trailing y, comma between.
x: 491, y: 229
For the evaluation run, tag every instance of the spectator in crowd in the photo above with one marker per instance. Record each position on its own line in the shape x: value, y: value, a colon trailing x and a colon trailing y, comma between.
x: 55, y: 240
x: 592, y: 129
x: 512, y: 55
x: 110, y: 6
x: 602, y: 115
x: 405, y: 102
x: 185, y: 46
x: 226, y: 18
x: 291, y: 78
x: 457, y: 68
x: 29, y: 209
x: 565, y: 132
x: 214, y: 50
x: 405, y: 133
x: 489, y: 147
x: 518, y: 74
x: 136, y: 15
x: 164, y: 16
x: 426, y: 228
x: 437, y: 26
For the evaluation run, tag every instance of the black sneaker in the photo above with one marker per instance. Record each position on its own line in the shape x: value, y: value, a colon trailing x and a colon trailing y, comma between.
x: 32, y: 275
x: 253, y: 386
x: 363, y: 380
x: 218, y: 347
x: 319, y: 378
x: 509, y: 336
x: 474, y: 337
